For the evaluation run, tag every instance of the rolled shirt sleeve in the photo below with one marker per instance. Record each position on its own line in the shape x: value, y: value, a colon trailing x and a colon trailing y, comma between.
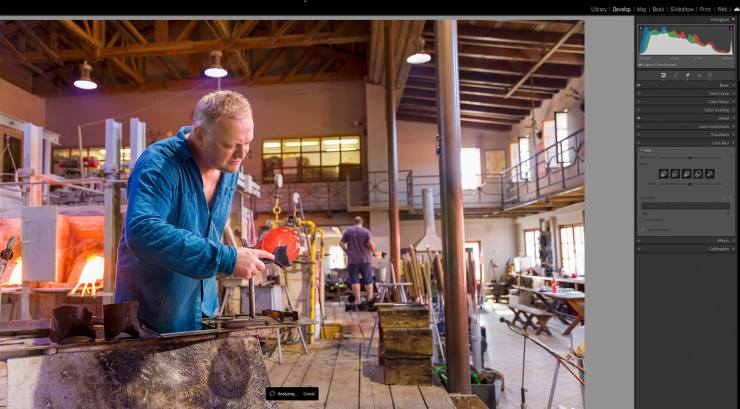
x: 153, y: 239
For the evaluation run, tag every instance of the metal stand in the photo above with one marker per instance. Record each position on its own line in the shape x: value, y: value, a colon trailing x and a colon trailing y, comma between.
x: 290, y: 306
x: 383, y: 291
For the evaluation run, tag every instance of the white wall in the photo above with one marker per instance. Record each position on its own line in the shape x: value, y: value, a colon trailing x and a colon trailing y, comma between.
x: 497, y: 238
x: 303, y: 109
x: 566, y: 215
x: 546, y: 112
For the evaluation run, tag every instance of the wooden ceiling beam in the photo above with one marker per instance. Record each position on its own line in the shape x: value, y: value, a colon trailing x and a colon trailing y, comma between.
x: 87, y: 40
x: 39, y: 43
x: 474, y: 99
x: 19, y: 56
x: 267, y: 63
x: 130, y: 72
x: 161, y: 31
x: 311, y: 34
x: 505, y: 113
x: 179, y: 85
x: 324, y: 66
x: 504, y: 35
x: 194, y: 47
x: 429, y: 85
x: 308, y: 54
x: 470, y: 116
x: 283, y: 30
x: 565, y: 37
x: 243, y: 30
x: 519, y: 67
x: 423, y: 71
x: 467, y: 124
x: 129, y: 30
x: 185, y: 32
x: 489, y: 52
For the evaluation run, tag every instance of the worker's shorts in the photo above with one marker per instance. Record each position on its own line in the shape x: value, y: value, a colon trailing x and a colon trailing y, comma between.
x: 355, y: 270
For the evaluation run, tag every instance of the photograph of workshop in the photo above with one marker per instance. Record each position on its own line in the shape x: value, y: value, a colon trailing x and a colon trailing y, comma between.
x: 195, y: 211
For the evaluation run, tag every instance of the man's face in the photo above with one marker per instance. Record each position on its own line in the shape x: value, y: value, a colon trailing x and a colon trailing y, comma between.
x: 225, y: 145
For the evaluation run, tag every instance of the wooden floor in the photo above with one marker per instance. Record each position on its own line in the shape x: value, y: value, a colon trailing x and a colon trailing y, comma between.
x: 345, y: 378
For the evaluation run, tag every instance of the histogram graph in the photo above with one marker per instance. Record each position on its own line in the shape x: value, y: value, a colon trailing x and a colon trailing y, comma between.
x: 714, y: 40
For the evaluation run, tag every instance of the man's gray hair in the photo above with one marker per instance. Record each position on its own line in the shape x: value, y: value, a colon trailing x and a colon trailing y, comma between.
x: 358, y: 220
x: 220, y: 103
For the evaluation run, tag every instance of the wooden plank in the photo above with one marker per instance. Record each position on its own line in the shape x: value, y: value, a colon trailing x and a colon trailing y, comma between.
x: 382, y: 394
x: 407, y: 342
x: 436, y: 397
x: 344, y: 391
x: 279, y: 372
x: 404, y: 316
x: 407, y: 397
x: 297, y: 374
x: 366, y: 384
x: 407, y: 371
x: 320, y: 373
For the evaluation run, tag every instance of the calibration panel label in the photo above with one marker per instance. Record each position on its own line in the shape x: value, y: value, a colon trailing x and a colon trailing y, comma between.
x: 685, y: 134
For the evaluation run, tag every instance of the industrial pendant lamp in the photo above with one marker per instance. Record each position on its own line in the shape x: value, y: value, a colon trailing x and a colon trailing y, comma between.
x: 85, y: 82
x: 419, y: 56
x: 216, y: 70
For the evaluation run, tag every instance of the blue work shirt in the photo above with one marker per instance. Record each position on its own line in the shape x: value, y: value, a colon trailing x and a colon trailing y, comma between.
x: 170, y: 248
x: 357, y: 239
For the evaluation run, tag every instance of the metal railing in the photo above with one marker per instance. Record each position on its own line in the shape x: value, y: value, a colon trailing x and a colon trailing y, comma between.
x: 315, y: 196
x: 557, y: 168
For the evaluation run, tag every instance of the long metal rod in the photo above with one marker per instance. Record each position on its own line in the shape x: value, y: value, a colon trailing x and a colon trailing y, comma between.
x: 456, y: 319
x: 544, y: 58
x: 390, y: 120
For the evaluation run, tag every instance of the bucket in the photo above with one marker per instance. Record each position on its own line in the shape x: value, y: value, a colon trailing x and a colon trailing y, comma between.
x: 331, y: 331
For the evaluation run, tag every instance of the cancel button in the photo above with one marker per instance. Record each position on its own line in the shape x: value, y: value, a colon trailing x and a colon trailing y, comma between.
x: 292, y: 393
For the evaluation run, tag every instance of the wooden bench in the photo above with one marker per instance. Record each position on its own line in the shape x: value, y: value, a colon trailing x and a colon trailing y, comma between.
x: 529, y: 314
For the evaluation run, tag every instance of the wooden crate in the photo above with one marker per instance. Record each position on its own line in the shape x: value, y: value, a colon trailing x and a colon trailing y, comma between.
x: 404, y: 316
x: 407, y: 371
x: 406, y: 342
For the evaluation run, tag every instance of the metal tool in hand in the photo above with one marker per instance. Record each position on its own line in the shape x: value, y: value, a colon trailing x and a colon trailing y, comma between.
x: 7, y: 254
x: 281, y: 315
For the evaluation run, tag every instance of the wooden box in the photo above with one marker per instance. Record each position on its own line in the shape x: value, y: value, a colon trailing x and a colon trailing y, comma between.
x: 404, y: 316
x: 406, y: 342
x: 407, y: 371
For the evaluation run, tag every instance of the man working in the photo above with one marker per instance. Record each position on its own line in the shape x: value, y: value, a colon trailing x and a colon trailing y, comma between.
x: 179, y: 198
x: 358, y: 244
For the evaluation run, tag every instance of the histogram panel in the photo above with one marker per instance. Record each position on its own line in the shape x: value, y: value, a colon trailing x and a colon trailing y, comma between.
x: 686, y: 40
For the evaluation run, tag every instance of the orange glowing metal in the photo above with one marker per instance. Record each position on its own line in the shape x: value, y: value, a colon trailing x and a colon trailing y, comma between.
x: 15, y: 276
x: 92, y: 272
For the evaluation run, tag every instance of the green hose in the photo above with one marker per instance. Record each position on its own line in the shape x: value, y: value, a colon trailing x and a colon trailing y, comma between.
x: 438, y: 371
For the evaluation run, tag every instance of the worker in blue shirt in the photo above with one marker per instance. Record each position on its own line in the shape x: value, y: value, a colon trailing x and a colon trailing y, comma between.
x: 179, y: 198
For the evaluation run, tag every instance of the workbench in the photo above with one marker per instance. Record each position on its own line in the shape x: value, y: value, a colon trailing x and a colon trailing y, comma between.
x: 213, y: 367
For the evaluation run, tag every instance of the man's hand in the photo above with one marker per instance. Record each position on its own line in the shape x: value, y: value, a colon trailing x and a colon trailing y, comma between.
x: 248, y: 262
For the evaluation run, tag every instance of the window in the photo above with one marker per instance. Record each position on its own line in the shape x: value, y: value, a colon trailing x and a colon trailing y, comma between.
x: 565, y: 154
x: 475, y: 246
x: 471, y: 170
x: 548, y: 135
x: 532, y: 245
x: 520, y: 155
x: 336, y: 257
x: 572, y: 252
x: 524, y: 157
x: 312, y: 158
x: 11, y: 158
x: 65, y: 161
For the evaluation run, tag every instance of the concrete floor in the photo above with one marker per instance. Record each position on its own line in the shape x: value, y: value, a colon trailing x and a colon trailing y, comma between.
x: 505, y: 355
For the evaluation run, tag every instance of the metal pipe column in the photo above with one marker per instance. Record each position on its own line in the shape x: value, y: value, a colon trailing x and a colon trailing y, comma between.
x: 456, y: 318
x: 390, y: 120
